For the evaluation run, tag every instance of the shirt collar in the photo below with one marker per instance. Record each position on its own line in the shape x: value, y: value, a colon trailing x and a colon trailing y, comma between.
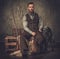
x: 31, y: 13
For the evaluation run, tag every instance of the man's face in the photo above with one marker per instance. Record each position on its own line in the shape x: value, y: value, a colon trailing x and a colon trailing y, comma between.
x: 31, y: 7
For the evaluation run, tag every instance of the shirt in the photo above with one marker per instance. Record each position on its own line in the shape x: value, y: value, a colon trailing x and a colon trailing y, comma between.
x: 25, y: 23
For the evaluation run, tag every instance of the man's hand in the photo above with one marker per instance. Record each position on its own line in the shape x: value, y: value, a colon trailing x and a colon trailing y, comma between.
x: 33, y: 33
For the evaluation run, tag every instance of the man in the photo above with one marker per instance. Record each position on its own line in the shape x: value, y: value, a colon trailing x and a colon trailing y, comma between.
x: 31, y: 23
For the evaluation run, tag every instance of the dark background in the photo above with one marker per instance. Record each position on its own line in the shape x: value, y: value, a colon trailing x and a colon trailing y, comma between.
x: 12, y: 11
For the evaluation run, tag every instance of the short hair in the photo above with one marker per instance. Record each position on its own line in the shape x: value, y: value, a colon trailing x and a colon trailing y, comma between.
x: 30, y: 3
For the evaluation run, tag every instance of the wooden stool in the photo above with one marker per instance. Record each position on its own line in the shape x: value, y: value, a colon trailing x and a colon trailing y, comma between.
x: 11, y: 43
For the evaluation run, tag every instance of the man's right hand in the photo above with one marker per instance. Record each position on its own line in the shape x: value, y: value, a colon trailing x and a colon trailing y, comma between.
x: 33, y: 33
